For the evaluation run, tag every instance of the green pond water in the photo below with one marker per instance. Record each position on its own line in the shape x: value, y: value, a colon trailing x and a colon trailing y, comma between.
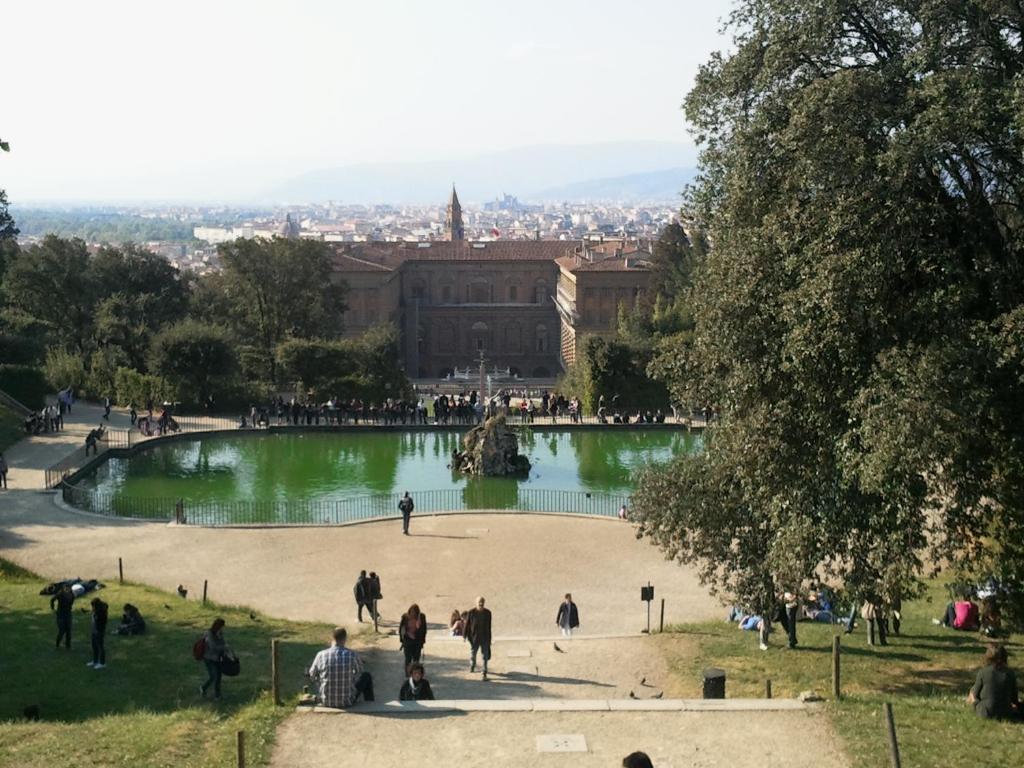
x: 338, y: 467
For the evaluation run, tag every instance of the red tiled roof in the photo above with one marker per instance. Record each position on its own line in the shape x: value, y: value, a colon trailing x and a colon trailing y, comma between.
x: 637, y: 262
x: 393, y: 254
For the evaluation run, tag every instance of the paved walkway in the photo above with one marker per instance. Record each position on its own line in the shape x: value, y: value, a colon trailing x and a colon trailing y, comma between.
x: 506, y: 739
x: 31, y: 457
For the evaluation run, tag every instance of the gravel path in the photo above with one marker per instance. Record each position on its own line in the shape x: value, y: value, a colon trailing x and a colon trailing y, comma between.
x: 500, y: 740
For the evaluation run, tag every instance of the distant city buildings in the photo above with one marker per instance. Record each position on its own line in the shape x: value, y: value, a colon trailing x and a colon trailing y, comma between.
x: 519, y: 283
x: 523, y: 304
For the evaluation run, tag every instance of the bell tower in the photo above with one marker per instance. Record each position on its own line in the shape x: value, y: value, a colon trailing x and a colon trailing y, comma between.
x: 453, y: 219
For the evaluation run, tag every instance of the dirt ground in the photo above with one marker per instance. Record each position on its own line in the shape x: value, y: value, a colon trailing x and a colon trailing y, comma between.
x: 522, y: 564
x: 612, y: 668
x: 505, y: 739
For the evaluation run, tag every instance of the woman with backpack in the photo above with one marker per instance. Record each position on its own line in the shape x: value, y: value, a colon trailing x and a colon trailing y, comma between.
x: 213, y: 652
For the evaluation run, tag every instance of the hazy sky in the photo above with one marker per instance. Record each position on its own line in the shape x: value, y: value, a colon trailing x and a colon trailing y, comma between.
x: 215, y: 100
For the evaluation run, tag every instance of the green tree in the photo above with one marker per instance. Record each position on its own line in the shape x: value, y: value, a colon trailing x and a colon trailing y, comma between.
x: 278, y: 289
x: 314, y: 362
x: 52, y: 282
x: 194, y: 356
x: 858, y: 319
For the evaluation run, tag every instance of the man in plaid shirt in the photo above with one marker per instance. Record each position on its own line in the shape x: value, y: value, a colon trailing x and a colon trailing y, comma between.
x: 339, y: 676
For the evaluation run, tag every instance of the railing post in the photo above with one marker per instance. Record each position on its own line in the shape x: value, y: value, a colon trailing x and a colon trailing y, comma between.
x: 890, y: 727
x: 836, y: 691
x: 275, y: 671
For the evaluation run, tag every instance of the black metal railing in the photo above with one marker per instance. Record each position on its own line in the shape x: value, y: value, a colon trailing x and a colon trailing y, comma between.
x: 348, y: 510
x: 111, y: 438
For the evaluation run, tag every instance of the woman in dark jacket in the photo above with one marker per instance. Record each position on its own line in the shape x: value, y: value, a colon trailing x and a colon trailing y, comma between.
x: 215, y: 650
x: 412, y: 634
x: 100, y: 612
x: 994, y: 693
x: 415, y: 687
x: 568, y: 617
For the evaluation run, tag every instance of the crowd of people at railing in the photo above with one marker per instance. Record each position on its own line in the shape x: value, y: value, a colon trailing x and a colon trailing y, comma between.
x: 439, y: 408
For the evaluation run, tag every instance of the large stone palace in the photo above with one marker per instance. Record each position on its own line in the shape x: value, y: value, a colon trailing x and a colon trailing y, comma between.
x: 524, y: 304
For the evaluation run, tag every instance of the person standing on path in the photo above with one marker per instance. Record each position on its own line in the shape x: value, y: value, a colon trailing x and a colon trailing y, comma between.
x: 478, y: 633
x: 62, y: 602
x: 792, y: 602
x: 3, y: 471
x: 412, y: 634
x: 361, y: 591
x: 406, y: 506
x: 106, y: 408
x: 98, y: 626
x: 215, y: 649
x: 568, y: 617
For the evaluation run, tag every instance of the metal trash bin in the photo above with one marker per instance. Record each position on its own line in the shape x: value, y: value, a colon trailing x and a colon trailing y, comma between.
x: 714, y: 683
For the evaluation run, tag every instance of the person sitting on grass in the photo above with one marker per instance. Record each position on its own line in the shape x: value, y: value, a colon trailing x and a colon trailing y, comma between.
x: 994, y: 693
x: 961, y: 614
x: 132, y: 622
x: 416, y: 687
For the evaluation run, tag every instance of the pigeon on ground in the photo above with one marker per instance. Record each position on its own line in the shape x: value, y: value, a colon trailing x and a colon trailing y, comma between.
x: 557, y: 648
x: 167, y: 606
x: 643, y: 681
x: 253, y: 616
x: 182, y: 592
x: 632, y: 695
x: 658, y: 695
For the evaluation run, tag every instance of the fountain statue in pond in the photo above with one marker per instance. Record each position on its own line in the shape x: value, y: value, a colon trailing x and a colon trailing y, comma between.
x: 490, y: 449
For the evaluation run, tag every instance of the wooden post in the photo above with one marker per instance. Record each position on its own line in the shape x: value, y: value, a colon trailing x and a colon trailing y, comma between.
x: 890, y: 726
x: 240, y: 747
x: 768, y: 688
x: 836, y: 690
x: 120, y: 571
x: 275, y: 672
x: 661, y: 624
x: 205, y: 584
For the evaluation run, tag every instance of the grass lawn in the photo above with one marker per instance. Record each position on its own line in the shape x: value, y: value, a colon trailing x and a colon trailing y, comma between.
x: 11, y: 428
x: 925, y: 673
x: 144, y: 708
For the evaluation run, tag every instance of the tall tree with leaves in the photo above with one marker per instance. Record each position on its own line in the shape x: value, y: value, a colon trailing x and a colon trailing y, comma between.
x: 278, y: 289
x: 51, y: 281
x: 858, y: 321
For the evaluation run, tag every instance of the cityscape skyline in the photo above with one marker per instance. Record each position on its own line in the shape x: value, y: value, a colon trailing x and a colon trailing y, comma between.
x: 132, y: 103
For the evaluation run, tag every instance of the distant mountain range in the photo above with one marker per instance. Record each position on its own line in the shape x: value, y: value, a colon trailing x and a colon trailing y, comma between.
x: 627, y: 171
x: 660, y: 186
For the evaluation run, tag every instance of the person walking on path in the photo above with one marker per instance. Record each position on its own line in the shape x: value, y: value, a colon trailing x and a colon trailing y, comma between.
x: 362, y: 592
x: 412, y: 634
x: 98, y: 626
x: 375, y: 595
x: 3, y: 471
x: 215, y: 649
x: 62, y: 602
x: 406, y: 506
x: 338, y: 674
x: 568, y: 617
x: 106, y: 408
x: 478, y: 633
